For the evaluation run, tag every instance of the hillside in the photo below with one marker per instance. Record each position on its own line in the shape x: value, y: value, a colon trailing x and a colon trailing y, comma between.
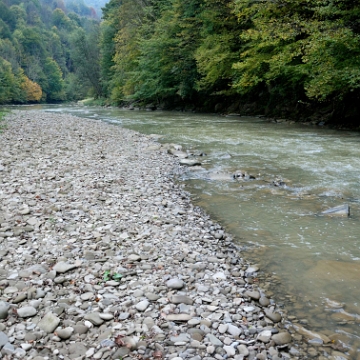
x: 43, y: 47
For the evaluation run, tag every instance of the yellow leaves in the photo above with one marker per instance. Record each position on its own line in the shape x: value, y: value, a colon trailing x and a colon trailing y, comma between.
x: 32, y: 90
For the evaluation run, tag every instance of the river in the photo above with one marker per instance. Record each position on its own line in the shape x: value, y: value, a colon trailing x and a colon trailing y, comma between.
x: 315, y: 259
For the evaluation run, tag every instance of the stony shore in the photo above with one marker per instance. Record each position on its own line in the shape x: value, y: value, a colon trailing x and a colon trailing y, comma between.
x: 103, y: 256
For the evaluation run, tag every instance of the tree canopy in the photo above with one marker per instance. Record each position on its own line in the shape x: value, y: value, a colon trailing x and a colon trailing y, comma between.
x: 38, y: 54
x: 198, y: 51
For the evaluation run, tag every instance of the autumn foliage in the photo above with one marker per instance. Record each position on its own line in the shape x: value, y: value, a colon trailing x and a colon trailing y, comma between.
x: 32, y: 90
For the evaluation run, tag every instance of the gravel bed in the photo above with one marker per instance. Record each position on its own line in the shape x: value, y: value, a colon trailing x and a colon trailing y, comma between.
x: 103, y: 255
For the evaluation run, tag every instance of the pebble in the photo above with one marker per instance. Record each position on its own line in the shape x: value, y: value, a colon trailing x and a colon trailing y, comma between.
x: 252, y: 294
x: 181, y: 299
x: 94, y: 318
x: 219, y: 276
x: 142, y: 305
x: 230, y: 351
x: 265, y: 336
x: 3, y: 339
x: 26, y: 311
x: 62, y: 267
x: 178, y: 317
x: 234, y: 330
x: 243, y: 350
x: 65, y: 333
x: 282, y: 338
x: 49, y: 322
x: 175, y: 283
x: 274, y: 316
x: 264, y: 301
x: 106, y: 316
x: 4, y: 309
x: 252, y: 269
x: 214, y: 340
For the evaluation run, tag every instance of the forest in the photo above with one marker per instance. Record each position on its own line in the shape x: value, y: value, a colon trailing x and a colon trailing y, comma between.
x: 44, y: 47
x: 290, y: 58
x: 273, y: 57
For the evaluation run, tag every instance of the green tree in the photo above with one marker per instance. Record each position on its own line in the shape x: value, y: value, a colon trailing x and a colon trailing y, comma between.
x: 7, y: 81
x: 85, y: 55
x: 53, y: 83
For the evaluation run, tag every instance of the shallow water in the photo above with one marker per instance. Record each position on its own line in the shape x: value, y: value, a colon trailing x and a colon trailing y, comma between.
x: 317, y: 258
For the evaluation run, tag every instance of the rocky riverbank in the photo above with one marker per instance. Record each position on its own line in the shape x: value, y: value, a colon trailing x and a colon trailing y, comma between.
x: 103, y: 256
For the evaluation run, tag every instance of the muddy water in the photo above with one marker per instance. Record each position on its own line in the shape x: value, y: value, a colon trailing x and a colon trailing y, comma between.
x: 316, y: 258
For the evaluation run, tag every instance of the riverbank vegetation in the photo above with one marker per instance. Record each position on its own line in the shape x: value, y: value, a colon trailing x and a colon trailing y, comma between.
x: 43, y: 47
x: 284, y: 58
x: 2, y: 121
x: 279, y: 57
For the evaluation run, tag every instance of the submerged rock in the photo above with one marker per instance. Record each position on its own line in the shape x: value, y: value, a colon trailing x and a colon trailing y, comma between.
x: 341, y: 210
x: 190, y: 162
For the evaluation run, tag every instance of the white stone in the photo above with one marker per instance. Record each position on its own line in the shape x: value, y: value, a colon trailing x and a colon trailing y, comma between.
x: 142, y: 305
x: 90, y: 352
x: 219, y: 276
x: 26, y: 311
x: 230, y: 351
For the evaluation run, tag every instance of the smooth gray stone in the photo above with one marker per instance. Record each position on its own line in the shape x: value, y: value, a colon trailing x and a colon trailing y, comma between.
x: 341, y: 210
x: 4, y: 309
x: 138, y: 293
x: 49, y: 322
x: 252, y: 269
x: 134, y: 257
x: 180, y: 338
x: 264, y: 301
x: 120, y: 353
x: 62, y: 267
x: 230, y: 351
x: 282, y: 338
x: 81, y: 329
x: 106, y: 316
x: 178, y: 317
x: 274, y: 316
x: 77, y: 350
x: 21, y: 297
x: 142, y: 305
x: 181, y: 299
x: 8, y: 349
x: 264, y: 336
x: 3, y: 339
x: 252, y: 294
x: 65, y: 334
x: 243, y: 350
x: 94, y: 318
x: 175, y: 283
x: 214, y: 340
x: 234, y: 330
x: 223, y: 328
x: 26, y: 311
x: 19, y: 353
x: 187, y: 309
x: 124, y: 316
x: 107, y: 343
x: 152, y: 296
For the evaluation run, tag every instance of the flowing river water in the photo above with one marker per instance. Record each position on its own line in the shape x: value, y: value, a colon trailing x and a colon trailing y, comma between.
x: 314, y: 259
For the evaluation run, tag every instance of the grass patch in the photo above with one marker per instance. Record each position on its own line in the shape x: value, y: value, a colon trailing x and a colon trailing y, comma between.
x: 2, y: 120
x: 96, y: 102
